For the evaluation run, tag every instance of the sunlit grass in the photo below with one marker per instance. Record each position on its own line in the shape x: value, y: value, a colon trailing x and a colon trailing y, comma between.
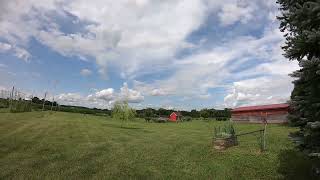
x: 42, y: 145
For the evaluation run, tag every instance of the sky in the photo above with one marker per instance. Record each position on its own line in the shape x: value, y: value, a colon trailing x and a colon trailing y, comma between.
x: 177, y: 54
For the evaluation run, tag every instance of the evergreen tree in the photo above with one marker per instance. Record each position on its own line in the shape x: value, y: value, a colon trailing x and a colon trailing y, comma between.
x: 300, y: 20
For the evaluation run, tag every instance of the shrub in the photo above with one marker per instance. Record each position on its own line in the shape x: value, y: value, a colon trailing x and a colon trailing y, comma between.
x: 159, y: 120
x: 148, y: 119
x: 225, y: 131
x: 4, y: 103
x: 221, y: 118
x: 20, y: 106
x: 187, y: 118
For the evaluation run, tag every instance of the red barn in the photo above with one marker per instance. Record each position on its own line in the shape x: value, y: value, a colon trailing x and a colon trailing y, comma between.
x: 273, y: 113
x: 175, y: 116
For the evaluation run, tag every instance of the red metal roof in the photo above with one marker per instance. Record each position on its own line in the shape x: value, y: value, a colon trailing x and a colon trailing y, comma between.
x: 262, y: 107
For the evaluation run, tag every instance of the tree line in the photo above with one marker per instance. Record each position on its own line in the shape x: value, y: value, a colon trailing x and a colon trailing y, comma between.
x: 203, y: 113
x: 39, y: 104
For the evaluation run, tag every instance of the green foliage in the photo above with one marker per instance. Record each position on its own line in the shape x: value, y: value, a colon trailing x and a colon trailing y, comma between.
x: 4, y: 103
x: 301, y: 21
x: 194, y: 113
x: 186, y: 118
x: 16, y: 106
x: 148, y: 114
x: 224, y: 131
x: 122, y: 111
x: 221, y: 118
x: 205, y: 113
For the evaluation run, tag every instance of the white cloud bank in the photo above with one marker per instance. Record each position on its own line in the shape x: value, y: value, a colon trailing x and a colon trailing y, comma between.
x: 264, y: 90
x: 265, y: 82
x: 101, y: 99
x: 142, y: 37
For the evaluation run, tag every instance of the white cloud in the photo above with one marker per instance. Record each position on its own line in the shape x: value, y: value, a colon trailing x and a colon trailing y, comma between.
x: 124, y: 33
x: 197, y: 73
x: 159, y: 92
x: 257, y: 91
x: 105, y: 94
x: 139, y: 37
x: 85, y: 72
x: 22, y: 54
x: 4, y: 47
x: 70, y: 97
x: 144, y: 37
x: 205, y: 96
x: 130, y: 95
x: 232, y: 13
x: 101, y: 99
x: 17, y: 51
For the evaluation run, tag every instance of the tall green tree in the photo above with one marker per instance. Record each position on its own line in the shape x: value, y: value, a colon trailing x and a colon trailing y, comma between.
x: 300, y: 20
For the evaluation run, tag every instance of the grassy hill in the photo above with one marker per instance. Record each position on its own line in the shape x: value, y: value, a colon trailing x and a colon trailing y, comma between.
x: 43, y: 145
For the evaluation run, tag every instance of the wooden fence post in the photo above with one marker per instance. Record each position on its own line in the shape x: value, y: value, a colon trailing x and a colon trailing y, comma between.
x: 264, y: 136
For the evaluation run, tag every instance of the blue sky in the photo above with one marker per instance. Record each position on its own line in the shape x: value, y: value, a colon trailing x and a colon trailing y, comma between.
x: 172, y: 54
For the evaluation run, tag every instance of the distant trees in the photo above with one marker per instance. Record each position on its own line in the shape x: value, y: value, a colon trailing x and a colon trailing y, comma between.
x: 164, y: 112
x: 300, y: 20
x: 36, y: 100
x: 213, y: 113
x: 149, y: 114
x: 205, y: 113
x: 194, y: 113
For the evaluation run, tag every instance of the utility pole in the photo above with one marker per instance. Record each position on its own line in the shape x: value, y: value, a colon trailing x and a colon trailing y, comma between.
x: 11, y: 98
x: 44, y: 100
x: 52, y: 102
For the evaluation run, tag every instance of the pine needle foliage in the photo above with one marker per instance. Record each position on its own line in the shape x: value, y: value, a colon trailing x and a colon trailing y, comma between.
x: 300, y: 20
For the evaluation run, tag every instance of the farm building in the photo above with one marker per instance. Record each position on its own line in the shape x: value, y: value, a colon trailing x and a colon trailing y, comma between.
x: 175, y: 116
x: 273, y: 113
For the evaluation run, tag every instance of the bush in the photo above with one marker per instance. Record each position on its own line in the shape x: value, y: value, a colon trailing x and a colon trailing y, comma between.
x: 159, y: 120
x: 225, y: 131
x: 20, y: 106
x: 4, y: 103
x: 148, y: 119
x: 221, y: 118
x: 187, y: 118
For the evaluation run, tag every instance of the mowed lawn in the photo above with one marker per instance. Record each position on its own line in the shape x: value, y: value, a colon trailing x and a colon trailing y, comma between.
x: 43, y: 145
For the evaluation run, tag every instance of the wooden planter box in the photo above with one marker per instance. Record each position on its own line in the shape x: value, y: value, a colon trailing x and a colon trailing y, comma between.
x: 224, y: 143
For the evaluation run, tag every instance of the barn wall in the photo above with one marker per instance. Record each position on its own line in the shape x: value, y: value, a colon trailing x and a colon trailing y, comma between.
x: 274, y: 116
x: 173, y: 117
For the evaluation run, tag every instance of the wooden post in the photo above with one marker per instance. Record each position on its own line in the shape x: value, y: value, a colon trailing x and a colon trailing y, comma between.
x: 265, y: 132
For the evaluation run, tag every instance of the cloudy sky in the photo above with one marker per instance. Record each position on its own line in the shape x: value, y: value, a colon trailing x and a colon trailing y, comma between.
x: 181, y: 54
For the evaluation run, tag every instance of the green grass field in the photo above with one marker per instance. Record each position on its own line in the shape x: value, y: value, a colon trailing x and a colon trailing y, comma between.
x: 39, y: 145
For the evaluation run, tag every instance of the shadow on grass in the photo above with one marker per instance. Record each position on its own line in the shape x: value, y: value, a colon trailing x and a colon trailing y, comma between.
x: 124, y: 127
x: 296, y: 165
x: 127, y: 127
